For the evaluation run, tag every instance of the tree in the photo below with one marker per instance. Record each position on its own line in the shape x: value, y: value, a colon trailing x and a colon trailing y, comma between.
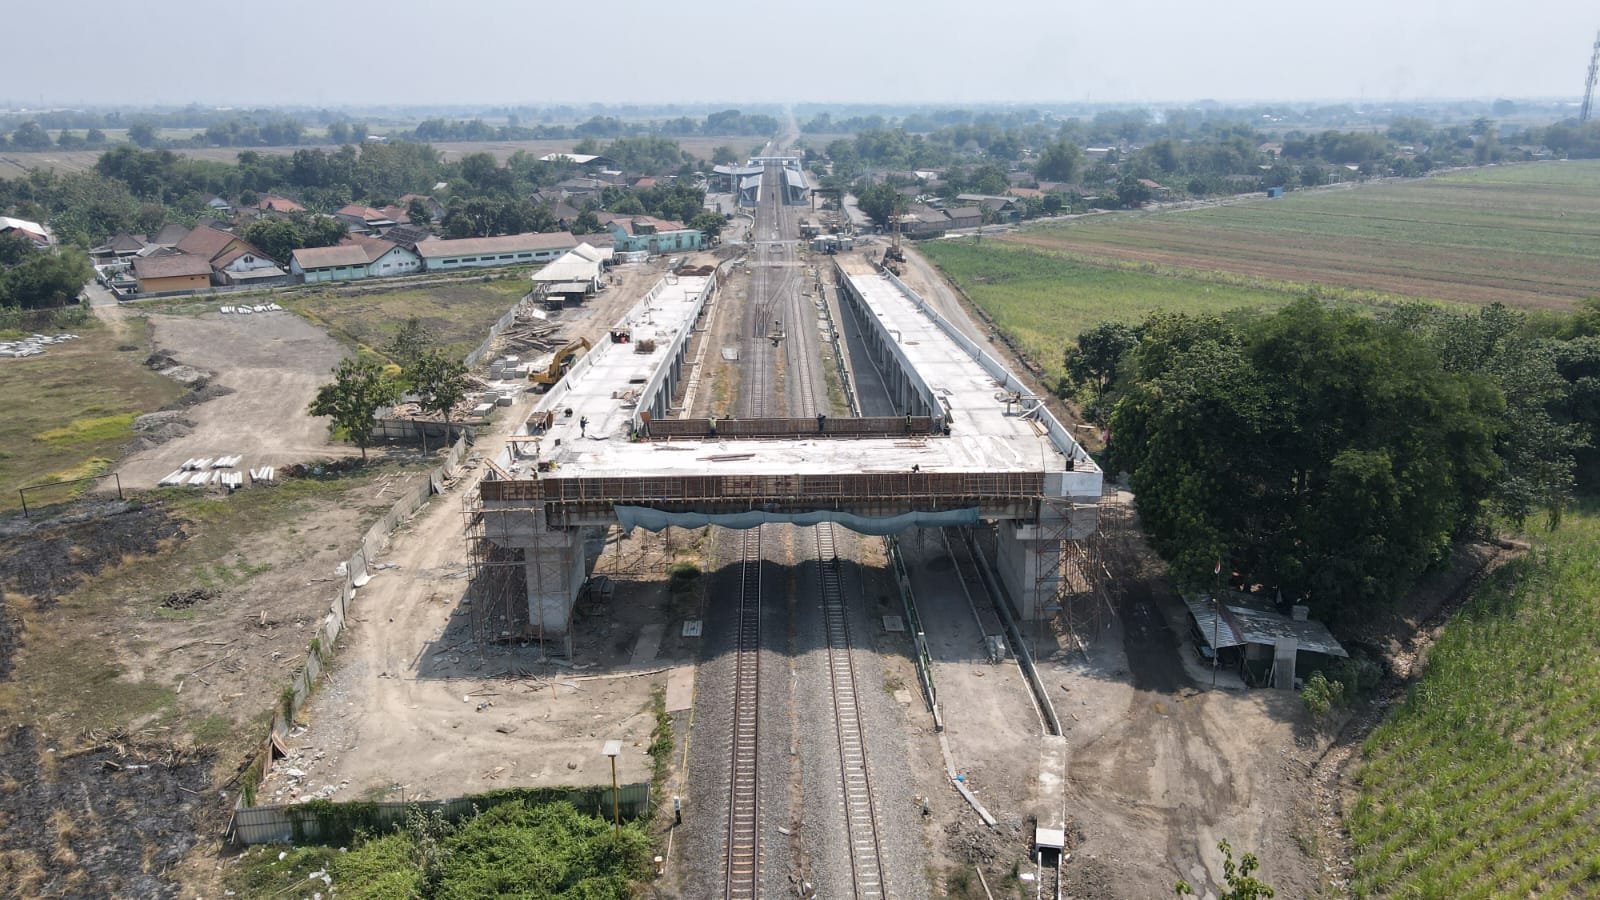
x: 439, y: 382
x: 881, y: 202
x: 359, y: 389
x: 45, y: 280
x: 628, y: 205
x: 1060, y: 160
x: 410, y: 344
x: 1315, y: 451
x: 277, y: 238
x: 144, y: 134
x: 1240, y: 878
x: 1132, y: 192
x: 1095, y: 360
x: 417, y: 212
x: 709, y: 223
x: 30, y: 136
x: 723, y: 156
x: 14, y: 248
x: 1537, y: 448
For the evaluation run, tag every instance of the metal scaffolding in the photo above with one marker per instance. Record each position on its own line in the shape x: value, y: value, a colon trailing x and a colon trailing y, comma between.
x: 497, y: 589
x: 1085, y: 599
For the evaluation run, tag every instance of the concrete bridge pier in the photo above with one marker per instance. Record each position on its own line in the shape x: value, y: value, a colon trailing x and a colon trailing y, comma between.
x: 1030, y: 552
x: 1030, y: 565
x: 553, y: 565
x: 555, y: 570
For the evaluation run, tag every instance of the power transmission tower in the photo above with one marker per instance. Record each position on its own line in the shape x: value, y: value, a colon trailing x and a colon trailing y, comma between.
x: 1588, y: 86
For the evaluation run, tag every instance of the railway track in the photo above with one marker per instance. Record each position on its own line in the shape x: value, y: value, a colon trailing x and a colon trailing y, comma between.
x: 1047, y: 875
x: 772, y: 281
x: 860, y: 812
x: 743, y: 863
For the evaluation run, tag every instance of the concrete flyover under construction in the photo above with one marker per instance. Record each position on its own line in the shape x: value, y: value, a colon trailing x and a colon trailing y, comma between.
x: 971, y: 443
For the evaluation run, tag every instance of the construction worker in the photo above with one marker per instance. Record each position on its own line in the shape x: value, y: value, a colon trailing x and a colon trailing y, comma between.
x: 583, y: 425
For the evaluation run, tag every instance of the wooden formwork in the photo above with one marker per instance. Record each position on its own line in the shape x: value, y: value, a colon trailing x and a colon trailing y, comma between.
x: 757, y: 489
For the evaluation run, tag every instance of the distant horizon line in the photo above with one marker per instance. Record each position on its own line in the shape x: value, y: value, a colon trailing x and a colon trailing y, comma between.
x: 8, y: 106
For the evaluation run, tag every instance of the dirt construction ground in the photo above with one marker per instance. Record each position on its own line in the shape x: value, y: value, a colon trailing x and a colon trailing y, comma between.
x: 418, y: 707
x: 263, y: 370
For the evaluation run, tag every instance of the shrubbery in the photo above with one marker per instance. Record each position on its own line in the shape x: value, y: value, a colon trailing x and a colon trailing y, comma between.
x: 513, y: 849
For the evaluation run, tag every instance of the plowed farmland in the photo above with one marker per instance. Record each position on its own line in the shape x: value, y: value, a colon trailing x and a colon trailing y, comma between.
x: 1526, y: 235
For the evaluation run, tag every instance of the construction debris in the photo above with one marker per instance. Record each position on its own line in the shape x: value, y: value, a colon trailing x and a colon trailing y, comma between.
x: 247, y: 310
x: 205, y: 471
x: 32, y: 345
x: 186, y: 599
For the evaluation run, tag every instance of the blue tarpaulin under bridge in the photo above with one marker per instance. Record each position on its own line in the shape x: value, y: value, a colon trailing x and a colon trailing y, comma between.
x: 633, y: 517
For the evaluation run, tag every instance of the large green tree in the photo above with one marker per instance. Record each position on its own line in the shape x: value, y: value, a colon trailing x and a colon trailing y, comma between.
x: 1313, y: 450
x: 881, y: 202
x: 360, y: 387
x: 1059, y: 161
x: 1539, y: 443
x: 45, y: 279
x: 1094, y: 362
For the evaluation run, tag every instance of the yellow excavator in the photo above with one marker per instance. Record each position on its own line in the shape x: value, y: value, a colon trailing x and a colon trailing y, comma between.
x: 559, y: 364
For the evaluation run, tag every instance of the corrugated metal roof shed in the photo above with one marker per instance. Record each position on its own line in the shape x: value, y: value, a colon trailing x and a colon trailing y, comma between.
x: 1243, y: 624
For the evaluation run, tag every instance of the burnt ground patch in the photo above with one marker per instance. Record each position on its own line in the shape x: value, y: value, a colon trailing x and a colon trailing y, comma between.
x: 109, y: 818
x: 10, y: 634
x: 44, y: 558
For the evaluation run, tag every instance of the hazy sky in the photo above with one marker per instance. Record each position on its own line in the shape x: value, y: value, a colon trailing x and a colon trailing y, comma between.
x: 400, y: 52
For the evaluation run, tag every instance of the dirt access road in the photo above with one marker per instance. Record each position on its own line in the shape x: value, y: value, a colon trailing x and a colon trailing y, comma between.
x: 264, y: 369
x: 1160, y: 767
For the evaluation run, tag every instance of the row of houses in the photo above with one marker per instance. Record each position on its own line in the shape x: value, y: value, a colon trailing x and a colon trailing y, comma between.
x: 184, y: 259
x: 360, y: 256
x: 401, y: 252
x: 927, y: 221
x: 380, y: 242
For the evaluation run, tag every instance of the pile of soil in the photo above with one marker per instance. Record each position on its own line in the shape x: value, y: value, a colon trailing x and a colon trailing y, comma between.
x: 46, y: 558
x: 322, y: 468
x: 108, y: 819
x: 164, y: 363
x: 188, y: 598
x: 159, y: 427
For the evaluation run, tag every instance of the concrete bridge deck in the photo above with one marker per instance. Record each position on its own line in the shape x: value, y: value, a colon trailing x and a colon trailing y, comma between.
x: 973, y: 441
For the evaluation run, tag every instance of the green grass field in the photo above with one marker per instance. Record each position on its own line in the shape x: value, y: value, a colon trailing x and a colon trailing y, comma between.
x: 1043, y: 300
x: 1524, y: 234
x: 459, y: 314
x: 71, y: 410
x: 1486, y: 782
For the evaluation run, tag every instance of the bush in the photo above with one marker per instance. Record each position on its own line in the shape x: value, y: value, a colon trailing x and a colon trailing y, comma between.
x: 1321, y: 695
x: 516, y: 849
x: 379, y: 868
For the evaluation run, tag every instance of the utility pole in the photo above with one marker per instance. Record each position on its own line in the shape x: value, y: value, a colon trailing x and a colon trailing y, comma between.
x: 613, y: 749
x: 1588, y: 85
x: 1216, y: 622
